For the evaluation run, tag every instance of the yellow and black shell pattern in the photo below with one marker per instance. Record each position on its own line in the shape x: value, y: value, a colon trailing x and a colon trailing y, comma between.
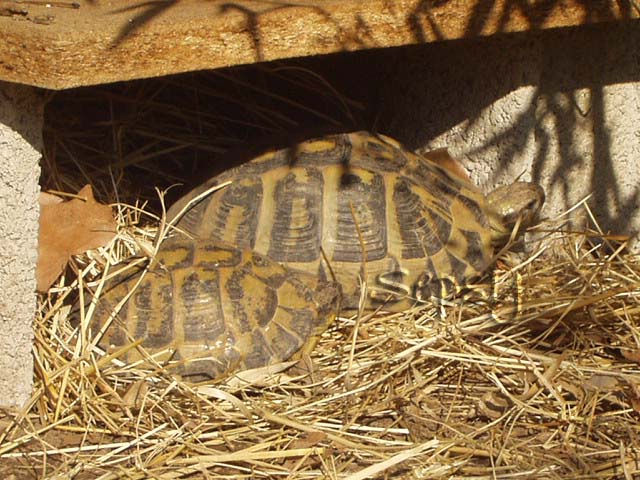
x: 207, y: 309
x: 350, y: 207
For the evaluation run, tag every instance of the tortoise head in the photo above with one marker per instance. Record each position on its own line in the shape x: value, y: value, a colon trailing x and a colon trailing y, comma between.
x: 513, y: 206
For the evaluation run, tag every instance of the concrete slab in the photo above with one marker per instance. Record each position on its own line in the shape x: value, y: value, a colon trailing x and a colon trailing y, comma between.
x: 65, y: 44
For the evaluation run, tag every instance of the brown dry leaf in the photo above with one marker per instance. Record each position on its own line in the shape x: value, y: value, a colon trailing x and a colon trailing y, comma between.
x: 46, y: 198
x: 69, y: 228
x: 601, y: 382
x: 631, y: 355
x: 633, y: 395
x: 442, y: 157
x: 309, y: 440
x: 135, y: 394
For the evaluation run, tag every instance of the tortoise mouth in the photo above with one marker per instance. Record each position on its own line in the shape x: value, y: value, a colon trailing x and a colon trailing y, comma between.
x: 512, y: 226
x: 513, y: 209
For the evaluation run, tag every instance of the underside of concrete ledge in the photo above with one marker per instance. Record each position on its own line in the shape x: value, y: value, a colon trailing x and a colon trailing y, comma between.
x: 66, y: 44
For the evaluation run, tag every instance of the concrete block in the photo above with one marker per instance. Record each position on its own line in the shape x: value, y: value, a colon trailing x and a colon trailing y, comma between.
x: 21, y: 114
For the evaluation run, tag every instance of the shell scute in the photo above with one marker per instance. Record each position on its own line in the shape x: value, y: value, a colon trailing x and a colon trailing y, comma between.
x: 297, y: 217
x: 238, y: 213
x: 360, y: 230
x: 153, y: 309
x: 199, y: 296
x: 423, y: 230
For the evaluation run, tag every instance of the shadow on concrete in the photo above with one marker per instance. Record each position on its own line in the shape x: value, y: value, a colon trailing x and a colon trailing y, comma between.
x: 567, y: 72
x: 425, y: 20
x: 495, y: 15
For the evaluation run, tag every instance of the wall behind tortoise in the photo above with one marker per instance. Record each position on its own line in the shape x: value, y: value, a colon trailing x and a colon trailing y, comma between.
x: 560, y: 106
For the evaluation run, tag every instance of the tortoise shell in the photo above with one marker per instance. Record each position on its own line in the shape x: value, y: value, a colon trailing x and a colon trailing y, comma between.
x: 350, y: 206
x: 261, y: 275
x: 211, y: 309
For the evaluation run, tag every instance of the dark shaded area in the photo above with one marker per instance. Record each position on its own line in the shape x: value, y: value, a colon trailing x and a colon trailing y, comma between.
x: 130, y: 137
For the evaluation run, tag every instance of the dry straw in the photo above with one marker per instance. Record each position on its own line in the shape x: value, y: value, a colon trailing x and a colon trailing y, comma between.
x: 533, y: 375
x: 540, y: 379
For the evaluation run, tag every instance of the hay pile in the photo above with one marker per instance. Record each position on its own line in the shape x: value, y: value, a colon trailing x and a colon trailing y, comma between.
x: 535, y: 376
x: 541, y: 379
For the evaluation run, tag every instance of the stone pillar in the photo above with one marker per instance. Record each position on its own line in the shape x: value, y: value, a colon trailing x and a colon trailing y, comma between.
x: 21, y: 118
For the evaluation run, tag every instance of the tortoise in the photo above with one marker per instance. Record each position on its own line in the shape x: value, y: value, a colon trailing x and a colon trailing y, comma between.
x: 213, y: 309
x: 260, y: 266
x: 359, y: 206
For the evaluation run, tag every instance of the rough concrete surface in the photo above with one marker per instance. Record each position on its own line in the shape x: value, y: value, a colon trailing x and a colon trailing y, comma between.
x: 561, y: 107
x: 21, y: 113
x: 53, y: 45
